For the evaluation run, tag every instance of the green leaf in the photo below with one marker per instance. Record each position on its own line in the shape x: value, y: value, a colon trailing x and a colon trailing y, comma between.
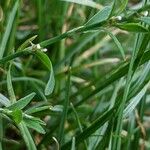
x: 26, y: 43
x: 10, y: 86
x: 46, y: 61
x: 27, y: 136
x: 132, y: 27
x: 10, y: 23
x: 15, y: 55
x: 34, y: 125
x: 122, y: 51
x: 123, y: 6
x: 85, y: 3
x: 17, y: 115
x: 118, y: 6
x: 91, y: 129
x: 102, y: 15
x: 73, y: 144
x: 1, y: 14
x: 134, y: 102
x: 4, y: 100
x: 38, y: 120
x: 37, y: 109
x: 65, y: 109
x: 20, y: 104
x: 51, y: 83
x: 145, y: 20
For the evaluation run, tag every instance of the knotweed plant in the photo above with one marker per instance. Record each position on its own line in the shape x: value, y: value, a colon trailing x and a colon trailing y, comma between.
x: 74, y: 74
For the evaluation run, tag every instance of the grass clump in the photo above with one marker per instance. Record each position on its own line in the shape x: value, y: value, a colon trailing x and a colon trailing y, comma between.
x: 74, y: 74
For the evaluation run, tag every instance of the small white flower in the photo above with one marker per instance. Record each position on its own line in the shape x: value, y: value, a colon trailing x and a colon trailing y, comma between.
x: 38, y: 46
x: 44, y: 50
x: 119, y: 18
x: 145, y: 13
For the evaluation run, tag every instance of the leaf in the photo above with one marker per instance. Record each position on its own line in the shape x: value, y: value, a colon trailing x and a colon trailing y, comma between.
x: 73, y: 144
x: 15, y: 55
x: 46, y: 61
x: 27, y: 136
x: 4, y: 101
x: 1, y: 14
x: 34, y: 125
x: 65, y: 109
x: 38, y: 120
x: 17, y: 115
x: 20, y: 104
x: 145, y: 20
x: 91, y: 129
x: 76, y: 47
x: 10, y: 86
x: 57, y: 108
x: 86, y: 3
x: 132, y: 27
x: 26, y: 43
x: 7, y: 32
x: 123, y: 6
x: 102, y: 15
x: 118, y: 7
x: 50, y: 85
x: 134, y: 102
x: 122, y: 51
x: 37, y: 109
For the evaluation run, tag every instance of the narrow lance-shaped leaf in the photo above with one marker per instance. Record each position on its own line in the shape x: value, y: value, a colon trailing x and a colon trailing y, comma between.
x: 116, y: 42
x: 34, y: 125
x: 20, y: 104
x: 1, y: 14
x: 37, y: 109
x: 56, y: 108
x: 122, y: 5
x: 46, y: 61
x: 145, y: 20
x: 135, y: 101
x: 4, y: 101
x: 132, y: 27
x: 26, y: 43
x: 73, y: 144
x: 10, y: 87
x: 102, y: 15
x: 35, y: 119
x: 85, y: 3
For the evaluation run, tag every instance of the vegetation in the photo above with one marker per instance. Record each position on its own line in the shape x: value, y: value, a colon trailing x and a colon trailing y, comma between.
x: 74, y: 74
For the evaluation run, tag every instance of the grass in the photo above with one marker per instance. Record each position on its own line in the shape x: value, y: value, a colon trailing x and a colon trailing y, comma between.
x: 74, y: 74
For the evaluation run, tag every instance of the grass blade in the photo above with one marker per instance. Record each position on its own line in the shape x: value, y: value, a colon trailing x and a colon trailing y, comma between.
x: 134, y: 102
x: 27, y: 136
x: 65, y: 109
x: 8, y: 29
